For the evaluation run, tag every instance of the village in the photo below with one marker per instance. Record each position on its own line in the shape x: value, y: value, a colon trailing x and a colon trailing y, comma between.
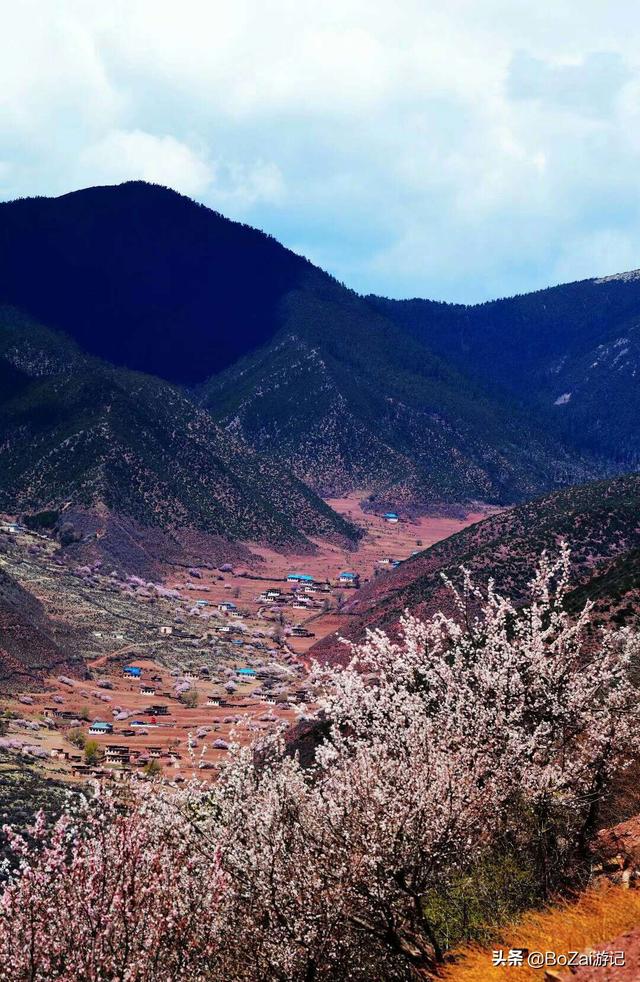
x: 179, y: 670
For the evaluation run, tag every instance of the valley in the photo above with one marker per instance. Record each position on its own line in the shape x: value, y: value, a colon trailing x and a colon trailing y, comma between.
x: 209, y: 631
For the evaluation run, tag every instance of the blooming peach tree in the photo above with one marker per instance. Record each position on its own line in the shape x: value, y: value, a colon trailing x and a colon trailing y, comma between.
x: 114, y: 891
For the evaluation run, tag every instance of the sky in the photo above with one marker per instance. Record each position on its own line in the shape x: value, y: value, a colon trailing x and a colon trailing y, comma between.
x: 459, y: 150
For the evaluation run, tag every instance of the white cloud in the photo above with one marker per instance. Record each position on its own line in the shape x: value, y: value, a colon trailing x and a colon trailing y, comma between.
x: 126, y: 155
x: 458, y: 150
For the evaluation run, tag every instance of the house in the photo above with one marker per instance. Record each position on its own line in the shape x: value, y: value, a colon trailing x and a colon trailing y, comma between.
x: 246, y: 673
x: 156, y: 710
x: 301, y: 632
x: 117, y: 753
x: 386, y: 561
x: 202, y: 603
x: 226, y: 607
x: 132, y: 671
x: 100, y: 729
x: 213, y: 701
x: 299, y: 578
x: 349, y: 579
x: 391, y: 517
x: 165, y: 630
x: 147, y: 690
x: 12, y: 527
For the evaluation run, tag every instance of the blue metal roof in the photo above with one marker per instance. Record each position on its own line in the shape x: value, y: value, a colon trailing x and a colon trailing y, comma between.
x: 246, y: 671
x: 99, y: 725
x: 389, y: 514
x: 349, y: 576
x: 300, y: 576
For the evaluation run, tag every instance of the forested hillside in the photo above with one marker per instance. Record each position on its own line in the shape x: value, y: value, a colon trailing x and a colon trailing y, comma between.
x: 572, y: 352
x: 76, y: 430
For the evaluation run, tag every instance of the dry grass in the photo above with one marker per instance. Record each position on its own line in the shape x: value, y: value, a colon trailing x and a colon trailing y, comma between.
x: 596, y: 917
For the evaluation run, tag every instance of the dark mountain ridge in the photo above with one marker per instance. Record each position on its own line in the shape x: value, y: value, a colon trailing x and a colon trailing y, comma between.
x: 76, y: 431
x: 352, y: 401
x: 570, y: 352
x: 353, y: 393
x: 145, y: 278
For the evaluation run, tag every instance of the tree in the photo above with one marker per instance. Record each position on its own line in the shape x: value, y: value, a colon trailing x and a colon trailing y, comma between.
x: 77, y: 737
x: 120, y: 890
x: 189, y: 698
x: 153, y: 769
x: 92, y: 752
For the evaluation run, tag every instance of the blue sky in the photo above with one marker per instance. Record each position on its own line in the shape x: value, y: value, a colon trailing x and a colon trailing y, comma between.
x: 458, y: 150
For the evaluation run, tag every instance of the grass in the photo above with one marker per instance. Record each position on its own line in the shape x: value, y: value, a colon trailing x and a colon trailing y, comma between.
x: 596, y: 917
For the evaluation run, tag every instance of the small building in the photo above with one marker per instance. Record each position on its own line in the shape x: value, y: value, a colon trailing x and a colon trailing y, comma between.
x: 147, y: 690
x: 117, y: 753
x: 157, y: 710
x: 132, y: 671
x: 165, y: 630
x: 299, y: 578
x: 349, y: 579
x: 202, y: 603
x: 391, y: 517
x: 98, y: 728
x: 12, y: 527
x: 226, y: 607
x: 213, y: 701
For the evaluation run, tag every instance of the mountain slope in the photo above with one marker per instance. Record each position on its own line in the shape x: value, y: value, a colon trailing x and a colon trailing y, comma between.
x: 313, y: 373
x: 75, y: 430
x: 600, y: 522
x: 29, y: 647
x: 354, y: 402
x: 144, y: 277
x: 571, y: 352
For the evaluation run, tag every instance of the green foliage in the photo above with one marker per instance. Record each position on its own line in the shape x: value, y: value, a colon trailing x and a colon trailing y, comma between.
x: 189, y: 698
x: 92, y: 752
x: 77, y: 738
x: 477, y: 903
x: 41, y: 520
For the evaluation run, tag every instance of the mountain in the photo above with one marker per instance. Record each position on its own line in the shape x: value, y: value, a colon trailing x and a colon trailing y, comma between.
x: 76, y: 432
x: 571, y: 353
x: 599, y: 521
x: 145, y: 278
x: 279, y: 353
x: 351, y: 401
